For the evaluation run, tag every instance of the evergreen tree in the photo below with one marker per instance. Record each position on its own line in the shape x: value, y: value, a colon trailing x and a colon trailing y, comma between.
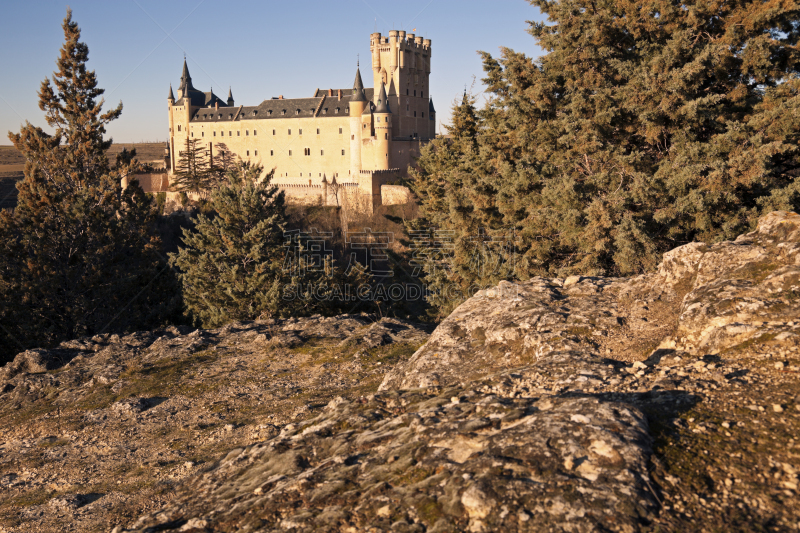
x: 79, y: 253
x: 645, y: 125
x: 234, y: 263
x: 194, y: 171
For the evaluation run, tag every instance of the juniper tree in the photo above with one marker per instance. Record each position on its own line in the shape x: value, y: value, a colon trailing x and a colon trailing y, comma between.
x: 233, y: 263
x: 78, y: 255
x: 194, y: 171
x: 645, y: 125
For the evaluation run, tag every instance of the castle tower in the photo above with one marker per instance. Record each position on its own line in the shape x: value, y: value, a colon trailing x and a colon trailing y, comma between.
x: 383, y: 130
x: 357, y: 104
x: 403, y: 62
x: 186, y: 81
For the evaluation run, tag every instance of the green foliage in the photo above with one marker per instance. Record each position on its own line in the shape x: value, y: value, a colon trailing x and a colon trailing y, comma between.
x: 645, y: 125
x: 234, y: 262
x: 193, y: 170
x: 78, y: 256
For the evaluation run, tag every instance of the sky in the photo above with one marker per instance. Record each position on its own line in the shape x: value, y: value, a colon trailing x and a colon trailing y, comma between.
x: 259, y: 49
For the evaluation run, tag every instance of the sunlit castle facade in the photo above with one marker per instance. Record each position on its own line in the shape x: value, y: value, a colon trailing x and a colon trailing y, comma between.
x: 356, y: 139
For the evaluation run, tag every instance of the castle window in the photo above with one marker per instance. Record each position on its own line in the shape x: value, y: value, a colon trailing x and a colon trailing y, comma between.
x: 192, y: 134
x: 307, y: 151
x: 352, y: 137
x: 230, y: 133
x: 273, y: 132
x: 238, y: 133
x: 248, y: 153
x: 377, y: 119
x: 415, y: 93
x: 415, y: 113
x: 255, y: 112
x: 317, y: 131
x: 340, y: 131
x: 215, y: 134
x: 283, y: 112
x: 255, y: 153
x: 342, y: 152
x: 255, y: 132
x: 423, y: 114
x: 290, y: 132
x: 202, y: 134
x: 246, y: 133
x: 300, y: 132
x: 322, y: 152
x: 179, y: 127
x: 290, y: 153
x: 220, y: 115
x: 386, y: 135
x: 406, y: 92
x: 347, y: 110
x: 325, y: 111
x: 230, y: 116
x: 422, y: 94
x: 337, y: 109
x: 271, y: 152
x: 309, y: 181
x: 407, y: 108
x: 297, y: 112
x: 269, y: 112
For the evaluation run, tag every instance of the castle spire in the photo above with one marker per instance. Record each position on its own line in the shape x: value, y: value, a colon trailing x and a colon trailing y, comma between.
x: 171, y: 96
x: 358, y: 88
x: 230, y: 97
x: 186, y: 79
x: 430, y: 106
x: 383, y: 102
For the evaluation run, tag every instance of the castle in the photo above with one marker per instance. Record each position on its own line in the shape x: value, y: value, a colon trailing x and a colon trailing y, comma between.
x: 351, y: 140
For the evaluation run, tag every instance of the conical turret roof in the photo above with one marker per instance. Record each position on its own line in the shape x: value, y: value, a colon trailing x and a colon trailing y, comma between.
x: 171, y: 96
x: 430, y: 106
x: 382, y: 105
x: 230, y: 94
x: 358, y: 88
x: 186, y: 79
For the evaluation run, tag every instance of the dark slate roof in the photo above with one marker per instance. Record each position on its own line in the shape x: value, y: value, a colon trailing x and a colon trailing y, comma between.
x: 171, y: 96
x: 382, y: 104
x: 186, y: 79
x: 274, y: 108
x: 201, y: 99
x: 430, y: 106
x: 358, y: 88
x: 368, y: 93
x: 230, y: 95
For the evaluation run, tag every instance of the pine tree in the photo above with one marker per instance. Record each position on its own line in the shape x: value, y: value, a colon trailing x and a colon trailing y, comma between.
x: 645, y: 125
x: 79, y: 253
x: 234, y: 264
x: 194, y: 171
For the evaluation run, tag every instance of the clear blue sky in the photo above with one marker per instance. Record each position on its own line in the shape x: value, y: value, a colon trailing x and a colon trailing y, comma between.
x: 259, y: 48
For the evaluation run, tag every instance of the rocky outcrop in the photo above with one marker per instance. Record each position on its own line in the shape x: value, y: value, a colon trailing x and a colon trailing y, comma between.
x: 704, y: 299
x: 665, y: 402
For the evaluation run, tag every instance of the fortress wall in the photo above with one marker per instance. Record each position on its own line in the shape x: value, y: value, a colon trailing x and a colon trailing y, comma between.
x: 396, y: 195
x: 404, y: 153
x: 150, y: 182
x: 253, y: 141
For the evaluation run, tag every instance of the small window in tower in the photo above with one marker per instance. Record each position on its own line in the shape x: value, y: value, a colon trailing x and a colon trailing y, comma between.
x: 248, y: 153
x: 300, y: 132
x: 269, y: 112
x: 309, y: 181
x: 273, y: 132
x: 415, y: 92
x: 423, y: 114
x: 322, y: 152
x: 192, y: 134
x: 246, y: 133
x: 255, y: 112
x: 307, y: 151
x: 297, y: 112
x: 422, y: 94
x: 271, y: 152
x: 283, y: 111
x: 230, y: 133
x: 230, y: 116
x: 255, y: 153
x: 352, y: 137
x: 364, y: 126
x: 179, y: 127
x: 255, y: 132
x: 317, y: 131
x: 220, y: 115
x: 290, y: 132
x: 202, y: 134
x: 415, y: 113
x: 337, y: 109
x: 340, y: 131
x: 238, y: 133
x: 325, y: 111
x: 290, y: 153
x: 215, y: 134
x: 386, y: 135
x: 342, y: 152
x: 347, y: 110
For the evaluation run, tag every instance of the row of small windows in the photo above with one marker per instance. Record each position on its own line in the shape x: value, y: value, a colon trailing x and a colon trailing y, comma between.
x: 421, y: 93
x: 208, y: 116
x: 306, y: 151
x: 247, y: 132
